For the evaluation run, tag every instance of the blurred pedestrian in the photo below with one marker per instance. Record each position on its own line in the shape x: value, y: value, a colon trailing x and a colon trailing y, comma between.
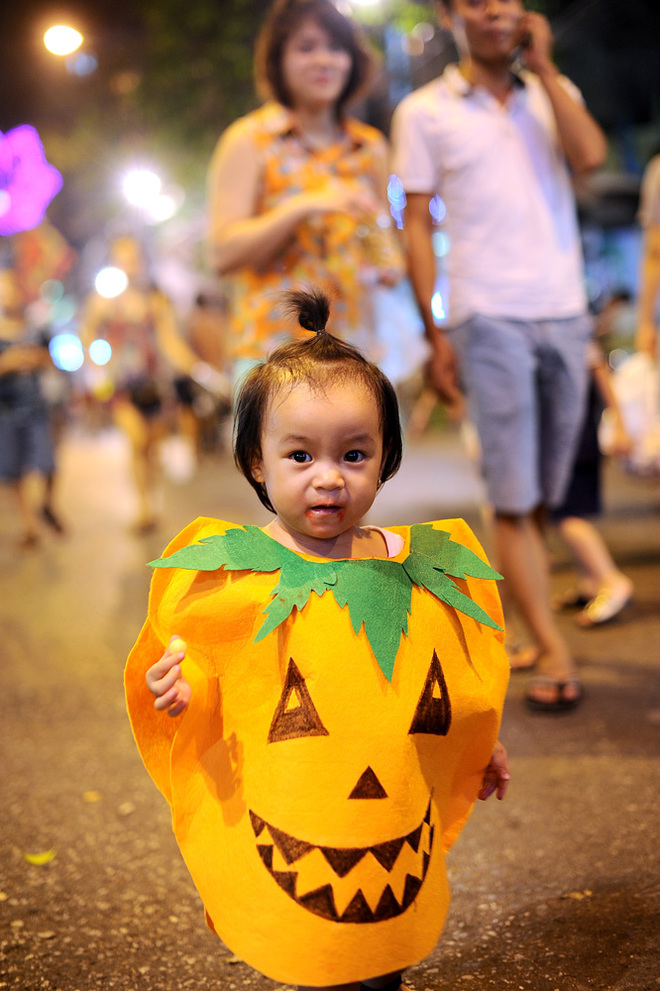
x: 298, y: 188
x: 26, y: 446
x: 602, y: 590
x: 497, y: 141
x: 649, y: 282
x: 140, y: 325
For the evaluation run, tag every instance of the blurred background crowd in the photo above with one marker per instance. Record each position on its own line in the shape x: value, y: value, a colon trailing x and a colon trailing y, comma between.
x: 109, y: 124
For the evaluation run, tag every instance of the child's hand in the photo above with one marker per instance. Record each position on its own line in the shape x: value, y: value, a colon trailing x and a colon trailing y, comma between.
x: 165, y: 681
x: 496, y: 776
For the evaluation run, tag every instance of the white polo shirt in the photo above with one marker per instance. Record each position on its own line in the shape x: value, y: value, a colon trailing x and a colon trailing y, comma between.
x: 514, y: 243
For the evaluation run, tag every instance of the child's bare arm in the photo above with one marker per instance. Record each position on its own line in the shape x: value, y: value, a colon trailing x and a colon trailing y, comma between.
x: 496, y: 776
x: 165, y: 681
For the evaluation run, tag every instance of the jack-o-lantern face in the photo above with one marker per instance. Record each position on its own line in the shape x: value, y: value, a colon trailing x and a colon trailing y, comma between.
x: 296, y: 716
x: 313, y: 796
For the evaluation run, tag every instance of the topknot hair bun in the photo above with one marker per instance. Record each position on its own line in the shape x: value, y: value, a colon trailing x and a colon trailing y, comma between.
x: 311, y: 306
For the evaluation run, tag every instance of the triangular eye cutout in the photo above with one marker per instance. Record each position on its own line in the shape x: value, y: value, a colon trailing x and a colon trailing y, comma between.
x: 433, y: 712
x: 295, y: 714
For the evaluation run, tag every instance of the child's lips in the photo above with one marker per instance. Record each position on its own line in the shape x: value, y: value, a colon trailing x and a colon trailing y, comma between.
x: 323, y: 510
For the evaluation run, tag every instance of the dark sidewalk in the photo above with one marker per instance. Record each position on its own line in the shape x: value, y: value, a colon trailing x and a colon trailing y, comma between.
x: 558, y: 887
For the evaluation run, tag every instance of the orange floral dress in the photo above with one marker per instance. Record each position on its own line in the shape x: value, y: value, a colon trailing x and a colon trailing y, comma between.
x: 341, y: 254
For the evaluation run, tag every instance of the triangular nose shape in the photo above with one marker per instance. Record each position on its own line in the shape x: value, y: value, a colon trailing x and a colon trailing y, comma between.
x: 368, y: 786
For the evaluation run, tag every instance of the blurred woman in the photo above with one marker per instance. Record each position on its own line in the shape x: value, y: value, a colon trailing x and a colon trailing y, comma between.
x: 298, y: 188
x: 141, y: 327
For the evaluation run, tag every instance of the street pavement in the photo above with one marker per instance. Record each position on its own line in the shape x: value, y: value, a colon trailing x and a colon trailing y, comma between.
x: 558, y: 887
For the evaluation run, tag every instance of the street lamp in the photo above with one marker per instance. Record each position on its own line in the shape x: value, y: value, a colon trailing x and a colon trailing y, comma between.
x: 62, y: 40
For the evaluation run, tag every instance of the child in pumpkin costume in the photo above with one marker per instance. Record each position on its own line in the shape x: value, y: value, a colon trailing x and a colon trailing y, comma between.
x: 338, y: 690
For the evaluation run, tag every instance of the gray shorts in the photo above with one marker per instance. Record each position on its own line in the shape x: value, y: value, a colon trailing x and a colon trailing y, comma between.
x: 25, y: 443
x: 526, y: 388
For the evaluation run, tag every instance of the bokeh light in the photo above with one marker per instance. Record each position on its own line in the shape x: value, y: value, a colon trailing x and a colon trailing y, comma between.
x: 51, y: 290
x: 440, y: 242
x: 66, y: 352
x: 162, y: 207
x: 438, y: 209
x: 110, y: 282
x: 82, y: 64
x: 100, y: 351
x: 438, y: 306
x: 141, y: 187
x: 62, y: 40
x: 63, y: 311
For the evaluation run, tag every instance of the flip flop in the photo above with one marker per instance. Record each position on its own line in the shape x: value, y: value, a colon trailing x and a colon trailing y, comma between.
x: 561, y: 703
x: 572, y: 598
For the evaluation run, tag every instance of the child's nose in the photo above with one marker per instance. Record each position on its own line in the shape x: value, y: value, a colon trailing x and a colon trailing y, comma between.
x: 329, y: 478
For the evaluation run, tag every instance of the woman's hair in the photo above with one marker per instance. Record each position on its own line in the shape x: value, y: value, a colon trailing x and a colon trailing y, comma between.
x: 285, y: 17
x: 317, y: 362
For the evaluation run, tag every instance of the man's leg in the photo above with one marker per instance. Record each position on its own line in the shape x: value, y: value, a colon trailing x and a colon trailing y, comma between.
x: 522, y: 558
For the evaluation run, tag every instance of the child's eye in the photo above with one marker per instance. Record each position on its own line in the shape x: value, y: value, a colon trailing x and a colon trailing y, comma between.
x: 300, y: 457
x: 353, y: 457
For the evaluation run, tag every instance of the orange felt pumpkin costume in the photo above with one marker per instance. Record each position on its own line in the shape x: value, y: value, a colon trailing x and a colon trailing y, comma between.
x: 342, y: 716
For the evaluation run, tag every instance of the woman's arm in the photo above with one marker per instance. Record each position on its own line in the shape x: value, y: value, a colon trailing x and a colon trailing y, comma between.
x: 238, y: 236
x: 649, y: 290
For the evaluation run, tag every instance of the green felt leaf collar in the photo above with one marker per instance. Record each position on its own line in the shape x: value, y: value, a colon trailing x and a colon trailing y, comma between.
x: 377, y: 592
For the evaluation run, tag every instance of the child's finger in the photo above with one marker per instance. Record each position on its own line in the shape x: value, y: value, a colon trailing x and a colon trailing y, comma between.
x: 167, y: 698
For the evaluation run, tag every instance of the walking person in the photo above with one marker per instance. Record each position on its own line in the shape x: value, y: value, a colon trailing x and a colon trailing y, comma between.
x: 498, y: 144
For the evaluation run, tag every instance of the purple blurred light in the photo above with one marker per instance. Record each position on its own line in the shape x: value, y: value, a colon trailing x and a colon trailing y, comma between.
x: 27, y: 181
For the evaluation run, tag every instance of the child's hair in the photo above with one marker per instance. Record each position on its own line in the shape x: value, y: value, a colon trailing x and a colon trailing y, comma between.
x: 317, y: 362
x: 285, y: 17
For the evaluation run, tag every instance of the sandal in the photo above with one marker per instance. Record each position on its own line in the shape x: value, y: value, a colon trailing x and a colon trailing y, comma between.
x: 52, y: 520
x: 572, y: 598
x: 604, y: 607
x: 561, y: 702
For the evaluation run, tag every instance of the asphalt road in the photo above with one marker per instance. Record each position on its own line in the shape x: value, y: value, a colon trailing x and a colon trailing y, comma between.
x: 558, y: 887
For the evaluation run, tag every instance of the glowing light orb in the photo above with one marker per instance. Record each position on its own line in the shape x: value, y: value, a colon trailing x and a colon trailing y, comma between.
x: 100, y: 352
x: 62, y: 40
x: 163, y: 207
x: 82, y: 64
x: 440, y: 242
x: 438, y: 209
x: 438, y: 306
x: 110, y: 282
x: 51, y: 291
x: 66, y: 352
x: 141, y: 187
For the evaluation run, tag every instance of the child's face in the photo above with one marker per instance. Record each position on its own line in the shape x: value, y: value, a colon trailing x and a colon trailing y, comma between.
x: 321, y: 455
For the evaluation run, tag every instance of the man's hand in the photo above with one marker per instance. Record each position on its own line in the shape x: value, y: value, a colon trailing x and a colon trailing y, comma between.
x: 442, y: 370
x: 536, y: 52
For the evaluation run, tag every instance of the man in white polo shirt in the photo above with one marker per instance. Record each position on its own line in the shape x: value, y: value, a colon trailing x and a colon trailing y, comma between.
x: 497, y: 146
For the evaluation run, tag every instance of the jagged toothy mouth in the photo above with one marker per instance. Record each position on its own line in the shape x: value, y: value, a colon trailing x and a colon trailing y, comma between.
x: 404, y: 874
